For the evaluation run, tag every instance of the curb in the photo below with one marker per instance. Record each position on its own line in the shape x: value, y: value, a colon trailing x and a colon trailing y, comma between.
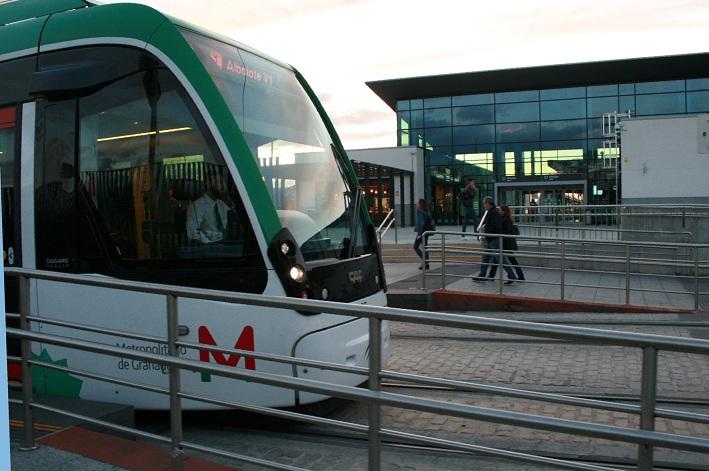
x: 445, y: 300
x: 124, y: 453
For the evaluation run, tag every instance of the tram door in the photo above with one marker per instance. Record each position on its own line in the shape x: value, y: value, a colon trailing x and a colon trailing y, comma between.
x: 9, y: 155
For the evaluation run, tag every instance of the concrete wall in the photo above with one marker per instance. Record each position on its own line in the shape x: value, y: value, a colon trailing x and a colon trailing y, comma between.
x: 661, y: 163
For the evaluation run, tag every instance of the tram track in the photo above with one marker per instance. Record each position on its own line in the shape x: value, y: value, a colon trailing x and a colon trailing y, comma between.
x: 302, y: 434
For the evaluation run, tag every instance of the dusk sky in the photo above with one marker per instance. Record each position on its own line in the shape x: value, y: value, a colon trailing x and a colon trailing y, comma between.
x: 340, y: 44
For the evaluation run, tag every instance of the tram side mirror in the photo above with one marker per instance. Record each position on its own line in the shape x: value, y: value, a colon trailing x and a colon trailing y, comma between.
x: 75, y: 78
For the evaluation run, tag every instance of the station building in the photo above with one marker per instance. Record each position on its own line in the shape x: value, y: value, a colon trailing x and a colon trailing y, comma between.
x: 535, y: 133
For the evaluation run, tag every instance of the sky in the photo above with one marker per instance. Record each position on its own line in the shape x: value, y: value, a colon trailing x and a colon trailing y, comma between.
x: 338, y: 45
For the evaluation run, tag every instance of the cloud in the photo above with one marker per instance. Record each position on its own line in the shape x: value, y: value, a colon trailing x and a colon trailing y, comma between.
x: 225, y: 15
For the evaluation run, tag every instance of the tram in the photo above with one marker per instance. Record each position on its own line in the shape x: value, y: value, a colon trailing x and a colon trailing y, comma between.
x: 140, y: 147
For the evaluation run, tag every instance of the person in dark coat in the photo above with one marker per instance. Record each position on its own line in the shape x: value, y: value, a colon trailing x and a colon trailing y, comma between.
x: 491, y: 224
x: 423, y: 224
x: 509, y: 244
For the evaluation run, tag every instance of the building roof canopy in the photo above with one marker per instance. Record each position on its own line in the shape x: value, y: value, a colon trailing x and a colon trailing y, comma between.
x: 647, y: 69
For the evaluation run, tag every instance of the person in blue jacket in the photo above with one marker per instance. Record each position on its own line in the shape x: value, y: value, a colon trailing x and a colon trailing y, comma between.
x: 423, y: 223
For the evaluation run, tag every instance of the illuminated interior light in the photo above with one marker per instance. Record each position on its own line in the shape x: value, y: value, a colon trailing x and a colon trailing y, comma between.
x: 142, y: 134
x: 126, y: 136
x: 166, y: 131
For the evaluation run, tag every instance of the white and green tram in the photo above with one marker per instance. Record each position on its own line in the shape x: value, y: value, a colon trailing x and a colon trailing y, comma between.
x: 139, y: 147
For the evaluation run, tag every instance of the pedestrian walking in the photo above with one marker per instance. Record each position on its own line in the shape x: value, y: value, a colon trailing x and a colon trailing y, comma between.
x: 509, y: 244
x: 469, y: 198
x: 423, y: 223
x: 491, y: 224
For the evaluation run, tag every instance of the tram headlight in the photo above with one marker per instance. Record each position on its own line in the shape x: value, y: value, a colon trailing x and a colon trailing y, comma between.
x: 297, y: 273
x: 285, y: 248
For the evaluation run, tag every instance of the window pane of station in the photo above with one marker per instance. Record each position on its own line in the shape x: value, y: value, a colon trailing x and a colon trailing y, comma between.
x: 473, y: 115
x: 473, y: 134
x: 563, y: 109
x: 440, y: 102
x: 659, y: 87
x: 626, y: 103
x: 404, y: 119
x: 402, y: 105
x: 465, y: 100
x: 626, y: 89
x: 562, y: 93
x: 517, y: 132
x: 416, y: 119
x: 666, y: 103
x: 698, y: 102
x: 598, y: 106
x: 601, y: 90
x: 517, y: 112
x: 416, y: 104
x: 698, y: 84
x: 438, y: 136
x: 562, y: 130
x: 513, y: 97
x: 437, y: 117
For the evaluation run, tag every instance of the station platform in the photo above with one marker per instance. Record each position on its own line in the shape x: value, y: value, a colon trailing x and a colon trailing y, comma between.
x: 65, y: 443
x: 458, y: 292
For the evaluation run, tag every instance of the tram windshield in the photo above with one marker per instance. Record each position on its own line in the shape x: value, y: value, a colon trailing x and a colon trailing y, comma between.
x: 293, y: 148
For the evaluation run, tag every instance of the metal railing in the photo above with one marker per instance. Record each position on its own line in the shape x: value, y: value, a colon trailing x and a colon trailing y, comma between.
x: 604, y: 233
x: 386, y: 224
x: 623, y: 215
x: 646, y: 438
x: 630, y: 260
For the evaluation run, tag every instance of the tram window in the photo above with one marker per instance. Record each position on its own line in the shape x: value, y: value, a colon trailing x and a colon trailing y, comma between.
x: 156, y: 187
x: 8, y: 140
x: 55, y: 216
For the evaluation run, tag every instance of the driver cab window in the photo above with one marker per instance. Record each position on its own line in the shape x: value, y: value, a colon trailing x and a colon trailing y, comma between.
x: 155, y: 187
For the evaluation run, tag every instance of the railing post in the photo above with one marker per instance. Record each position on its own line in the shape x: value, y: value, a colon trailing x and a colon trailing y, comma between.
x: 627, y: 273
x: 648, y: 394
x: 696, y: 277
x: 424, y: 250
x: 443, y: 261
x: 562, y: 280
x: 175, y: 401
x: 28, y: 442
x: 374, y: 409
x: 500, y: 264
x: 396, y: 230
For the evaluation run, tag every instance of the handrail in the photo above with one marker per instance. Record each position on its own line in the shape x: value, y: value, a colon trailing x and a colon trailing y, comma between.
x: 683, y: 258
x: 679, y: 344
x: 571, y: 239
x: 604, y: 229
x: 386, y: 218
x: 646, y: 437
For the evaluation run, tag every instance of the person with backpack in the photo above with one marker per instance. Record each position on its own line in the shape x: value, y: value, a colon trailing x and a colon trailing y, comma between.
x: 509, y: 244
x: 423, y: 223
x: 469, y: 201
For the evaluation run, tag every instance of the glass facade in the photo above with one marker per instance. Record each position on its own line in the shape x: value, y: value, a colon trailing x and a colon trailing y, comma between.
x: 551, y: 138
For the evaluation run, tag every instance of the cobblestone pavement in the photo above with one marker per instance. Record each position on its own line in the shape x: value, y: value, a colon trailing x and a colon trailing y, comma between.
x: 497, y: 359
